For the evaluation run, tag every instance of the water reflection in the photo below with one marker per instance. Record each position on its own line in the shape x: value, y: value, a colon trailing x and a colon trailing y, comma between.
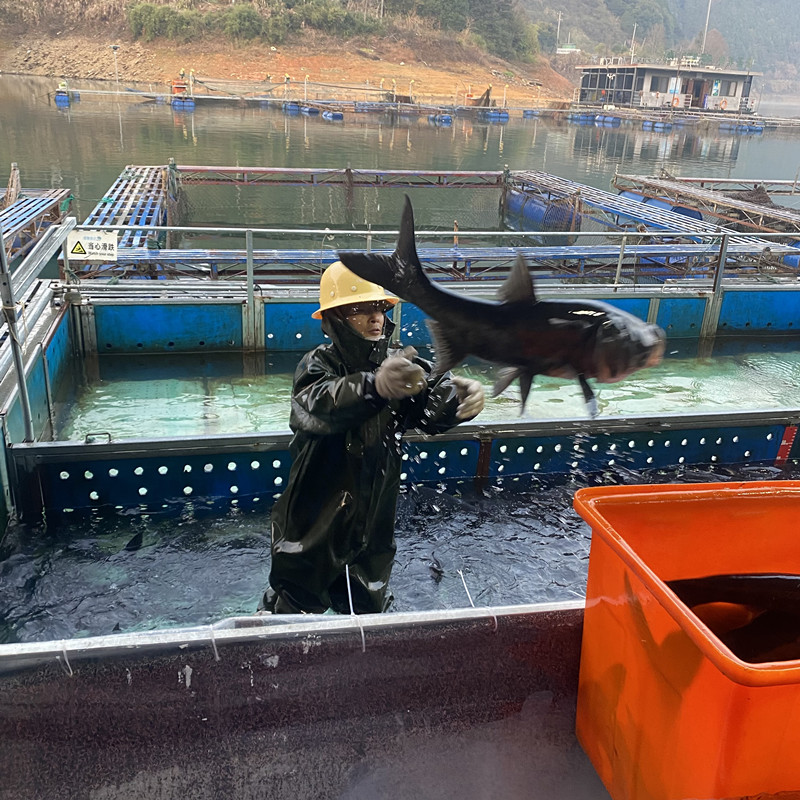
x: 93, y: 140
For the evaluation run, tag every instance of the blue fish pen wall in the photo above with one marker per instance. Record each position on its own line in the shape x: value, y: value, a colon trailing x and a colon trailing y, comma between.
x: 57, y: 477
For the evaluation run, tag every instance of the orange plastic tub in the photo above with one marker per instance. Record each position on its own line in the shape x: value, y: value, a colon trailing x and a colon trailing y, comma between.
x: 665, y: 710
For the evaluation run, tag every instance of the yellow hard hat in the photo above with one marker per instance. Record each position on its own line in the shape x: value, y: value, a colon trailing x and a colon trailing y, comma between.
x: 340, y: 287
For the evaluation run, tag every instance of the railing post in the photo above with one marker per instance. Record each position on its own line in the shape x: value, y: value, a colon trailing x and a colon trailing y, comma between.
x: 249, y: 311
x: 10, y: 313
x: 710, y: 323
x: 248, y: 238
x: 618, y: 274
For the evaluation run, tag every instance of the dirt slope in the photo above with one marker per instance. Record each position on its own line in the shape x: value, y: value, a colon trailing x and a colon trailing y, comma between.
x: 424, y: 68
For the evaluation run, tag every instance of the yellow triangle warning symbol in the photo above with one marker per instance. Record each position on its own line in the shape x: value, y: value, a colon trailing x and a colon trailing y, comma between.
x: 78, y: 250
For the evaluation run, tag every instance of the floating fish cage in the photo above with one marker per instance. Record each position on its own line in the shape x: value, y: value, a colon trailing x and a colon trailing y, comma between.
x: 260, y: 705
x: 440, y: 119
x: 65, y: 97
x: 183, y: 104
x: 76, y: 323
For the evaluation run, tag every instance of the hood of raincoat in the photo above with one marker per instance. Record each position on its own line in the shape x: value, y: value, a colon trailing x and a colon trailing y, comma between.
x: 356, y: 352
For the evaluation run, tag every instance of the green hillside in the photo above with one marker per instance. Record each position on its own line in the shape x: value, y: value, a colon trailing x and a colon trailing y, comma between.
x: 757, y: 34
x: 761, y: 34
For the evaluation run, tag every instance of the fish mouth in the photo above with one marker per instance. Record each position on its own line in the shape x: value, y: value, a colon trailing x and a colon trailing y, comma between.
x: 650, y: 355
x: 657, y: 353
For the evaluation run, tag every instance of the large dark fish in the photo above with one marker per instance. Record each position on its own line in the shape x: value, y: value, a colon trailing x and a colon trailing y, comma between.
x: 755, y: 615
x: 578, y: 339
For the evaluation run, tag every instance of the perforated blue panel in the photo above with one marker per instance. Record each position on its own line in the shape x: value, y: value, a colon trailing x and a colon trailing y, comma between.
x: 637, y: 450
x: 681, y: 316
x: 769, y: 312
x: 290, y: 326
x: 128, y: 482
x: 168, y: 328
x: 436, y: 460
x: 249, y: 477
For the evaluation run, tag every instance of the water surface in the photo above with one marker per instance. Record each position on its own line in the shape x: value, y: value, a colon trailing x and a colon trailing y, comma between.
x: 135, y: 396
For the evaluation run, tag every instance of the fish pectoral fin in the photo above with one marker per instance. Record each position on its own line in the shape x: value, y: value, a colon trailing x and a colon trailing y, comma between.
x: 518, y: 286
x: 588, y: 396
x: 448, y: 353
x: 525, y: 383
x: 505, y: 377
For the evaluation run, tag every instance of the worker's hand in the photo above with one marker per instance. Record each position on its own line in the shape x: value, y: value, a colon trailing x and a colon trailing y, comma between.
x: 471, y: 397
x: 399, y: 377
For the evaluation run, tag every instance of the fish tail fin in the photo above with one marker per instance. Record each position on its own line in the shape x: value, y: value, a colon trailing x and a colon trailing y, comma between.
x: 401, y: 272
x: 374, y: 268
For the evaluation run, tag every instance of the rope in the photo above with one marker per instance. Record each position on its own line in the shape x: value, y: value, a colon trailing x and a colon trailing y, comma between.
x: 352, y: 610
x: 68, y: 670
x: 469, y: 596
x: 214, y: 643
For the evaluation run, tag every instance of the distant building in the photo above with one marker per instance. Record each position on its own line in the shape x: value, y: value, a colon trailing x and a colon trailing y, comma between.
x: 679, y: 84
x: 567, y: 49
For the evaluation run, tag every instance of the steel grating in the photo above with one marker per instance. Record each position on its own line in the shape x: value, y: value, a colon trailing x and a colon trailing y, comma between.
x: 739, y: 212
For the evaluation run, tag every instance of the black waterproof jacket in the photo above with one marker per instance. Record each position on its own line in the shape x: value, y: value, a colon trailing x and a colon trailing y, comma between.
x: 338, y: 509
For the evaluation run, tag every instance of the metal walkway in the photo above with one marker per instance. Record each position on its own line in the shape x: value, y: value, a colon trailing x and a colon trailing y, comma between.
x: 286, y: 266
x: 772, y: 186
x: 610, y: 209
x: 277, y: 176
x: 137, y: 197
x: 741, y: 212
x: 24, y: 221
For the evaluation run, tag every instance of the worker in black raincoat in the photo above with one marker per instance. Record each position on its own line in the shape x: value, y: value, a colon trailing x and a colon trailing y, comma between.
x: 332, y: 528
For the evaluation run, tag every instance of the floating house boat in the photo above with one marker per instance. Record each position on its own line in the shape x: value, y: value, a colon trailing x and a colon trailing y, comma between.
x: 440, y: 703
x: 680, y: 84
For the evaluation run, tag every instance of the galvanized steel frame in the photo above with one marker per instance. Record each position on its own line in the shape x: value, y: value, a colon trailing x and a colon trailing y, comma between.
x: 738, y: 212
x: 352, y: 178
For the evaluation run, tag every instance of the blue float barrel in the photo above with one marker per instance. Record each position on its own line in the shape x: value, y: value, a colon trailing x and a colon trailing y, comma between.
x: 538, y: 214
x: 692, y: 213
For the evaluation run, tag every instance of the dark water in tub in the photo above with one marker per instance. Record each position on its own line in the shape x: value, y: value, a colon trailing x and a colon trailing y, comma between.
x: 133, y: 572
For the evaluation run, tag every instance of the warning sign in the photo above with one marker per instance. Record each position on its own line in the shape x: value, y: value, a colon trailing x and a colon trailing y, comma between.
x: 92, y: 245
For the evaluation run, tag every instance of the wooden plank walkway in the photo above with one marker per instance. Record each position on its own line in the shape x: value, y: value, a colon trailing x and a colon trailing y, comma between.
x: 611, y: 208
